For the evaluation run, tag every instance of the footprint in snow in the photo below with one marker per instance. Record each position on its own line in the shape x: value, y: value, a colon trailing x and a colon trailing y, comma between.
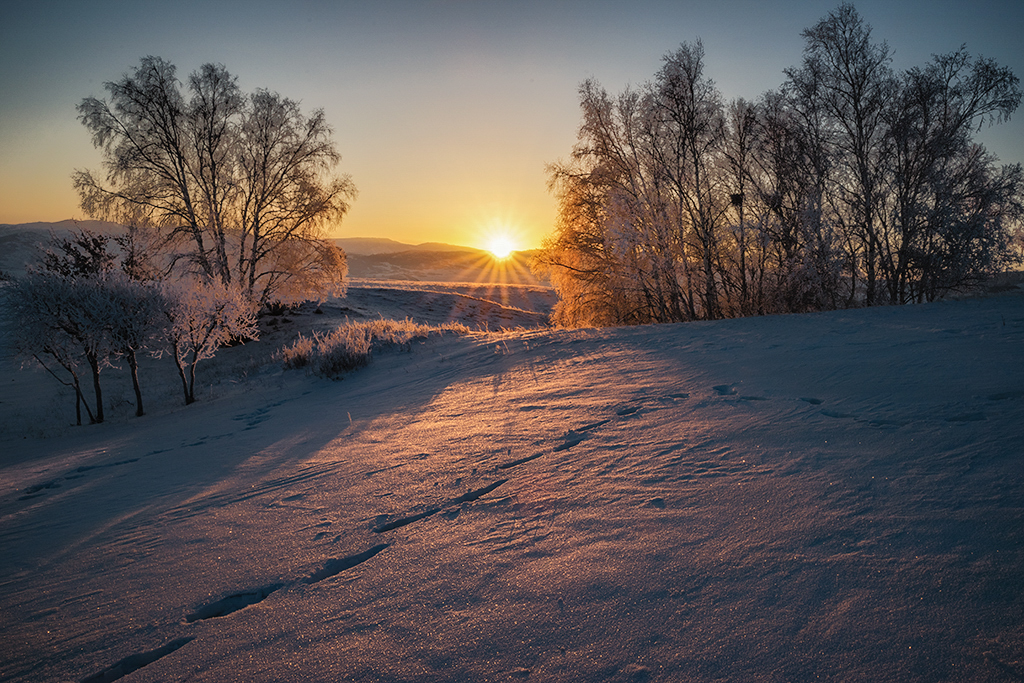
x: 135, y: 662
x: 571, y: 439
x: 232, y: 603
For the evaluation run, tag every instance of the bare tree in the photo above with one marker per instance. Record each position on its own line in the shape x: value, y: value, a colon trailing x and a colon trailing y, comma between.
x: 691, y: 137
x: 848, y: 77
x: 239, y: 187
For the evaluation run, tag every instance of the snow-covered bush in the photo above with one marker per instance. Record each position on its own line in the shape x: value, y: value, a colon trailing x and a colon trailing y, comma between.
x: 329, y: 355
x: 203, y: 315
x: 352, y: 345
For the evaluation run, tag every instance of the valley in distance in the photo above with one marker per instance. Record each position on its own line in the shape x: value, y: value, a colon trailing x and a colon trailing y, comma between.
x: 369, y: 258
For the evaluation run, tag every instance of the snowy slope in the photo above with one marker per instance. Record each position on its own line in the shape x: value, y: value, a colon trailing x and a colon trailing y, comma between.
x: 835, y: 495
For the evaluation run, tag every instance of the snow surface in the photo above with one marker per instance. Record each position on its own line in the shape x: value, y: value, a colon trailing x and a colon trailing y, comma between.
x: 835, y: 496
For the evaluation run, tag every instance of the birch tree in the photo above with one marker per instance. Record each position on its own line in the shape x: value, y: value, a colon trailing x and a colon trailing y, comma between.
x: 66, y: 320
x: 239, y: 187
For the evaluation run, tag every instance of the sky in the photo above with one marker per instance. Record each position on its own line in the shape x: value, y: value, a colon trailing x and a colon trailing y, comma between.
x: 446, y: 112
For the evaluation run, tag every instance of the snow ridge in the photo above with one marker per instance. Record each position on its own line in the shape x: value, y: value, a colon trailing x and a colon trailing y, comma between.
x: 135, y: 662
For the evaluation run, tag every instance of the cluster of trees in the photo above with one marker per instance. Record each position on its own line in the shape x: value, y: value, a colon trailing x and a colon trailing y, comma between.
x: 850, y: 185
x: 227, y: 197
x: 79, y: 311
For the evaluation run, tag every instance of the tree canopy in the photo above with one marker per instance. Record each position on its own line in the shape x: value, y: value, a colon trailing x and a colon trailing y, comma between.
x: 238, y: 187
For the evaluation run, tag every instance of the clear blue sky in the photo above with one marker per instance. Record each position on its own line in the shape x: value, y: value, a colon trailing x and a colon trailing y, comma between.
x: 445, y: 111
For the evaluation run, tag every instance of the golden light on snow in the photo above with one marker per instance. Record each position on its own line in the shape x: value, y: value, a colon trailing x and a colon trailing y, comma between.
x: 500, y: 263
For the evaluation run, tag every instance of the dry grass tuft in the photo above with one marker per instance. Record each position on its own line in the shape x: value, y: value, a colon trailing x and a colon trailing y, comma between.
x: 352, y: 345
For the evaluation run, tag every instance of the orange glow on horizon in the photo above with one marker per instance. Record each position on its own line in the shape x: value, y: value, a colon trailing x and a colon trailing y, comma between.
x: 487, y: 269
x: 500, y: 238
x: 500, y: 247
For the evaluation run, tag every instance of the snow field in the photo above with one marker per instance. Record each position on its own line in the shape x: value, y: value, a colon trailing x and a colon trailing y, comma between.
x: 835, y: 495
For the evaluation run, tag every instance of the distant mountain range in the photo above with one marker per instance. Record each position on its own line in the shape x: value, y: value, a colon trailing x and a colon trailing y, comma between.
x: 375, y: 258
x: 383, y: 245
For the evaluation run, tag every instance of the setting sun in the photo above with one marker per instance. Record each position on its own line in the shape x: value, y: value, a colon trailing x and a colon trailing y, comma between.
x: 500, y: 246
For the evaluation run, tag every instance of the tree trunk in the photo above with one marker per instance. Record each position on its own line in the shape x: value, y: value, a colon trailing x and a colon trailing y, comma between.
x: 134, y: 365
x: 94, y: 365
x: 80, y: 401
x: 191, y: 398
x: 181, y: 373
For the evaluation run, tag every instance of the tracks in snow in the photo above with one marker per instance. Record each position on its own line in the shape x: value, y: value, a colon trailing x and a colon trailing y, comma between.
x: 240, y: 600
x: 464, y: 498
x: 135, y: 662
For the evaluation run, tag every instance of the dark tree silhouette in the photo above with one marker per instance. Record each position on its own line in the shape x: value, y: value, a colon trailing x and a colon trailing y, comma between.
x: 239, y: 187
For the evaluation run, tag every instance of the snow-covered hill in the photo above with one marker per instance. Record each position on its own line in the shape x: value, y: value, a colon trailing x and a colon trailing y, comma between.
x: 836, y: 496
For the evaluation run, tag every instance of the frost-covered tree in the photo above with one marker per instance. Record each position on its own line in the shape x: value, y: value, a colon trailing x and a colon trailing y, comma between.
x: 136, y: 322
x: 34, y: 303
x: 203, y: 315
x: 847, y: 76
x: 641, y: 202
x: 80, y: 306
x: 66, y: 320
x: 76, y: 307
x: 80, y: 253
x: 949, y: 211
x: 692, y: 133
x: 240, y: 188
x: 851, y: 185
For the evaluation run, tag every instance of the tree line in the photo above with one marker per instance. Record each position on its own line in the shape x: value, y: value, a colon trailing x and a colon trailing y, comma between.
x: 226, y: 197
x: 850, y: 185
